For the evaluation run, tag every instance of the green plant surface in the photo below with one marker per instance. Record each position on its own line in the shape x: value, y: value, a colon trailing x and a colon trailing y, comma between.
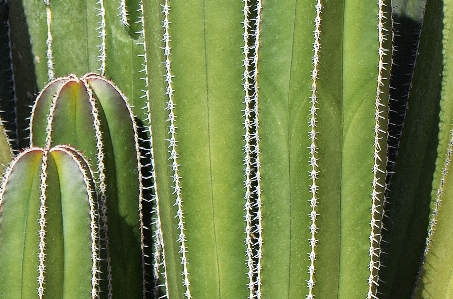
x: 411, y: 183
x: 198, y: 145
x: 19, y: 251
x: 342, y: 177
x: 48, y: 240
x: 84, y: 113
x: 435, y: 277
x: 97, y: 37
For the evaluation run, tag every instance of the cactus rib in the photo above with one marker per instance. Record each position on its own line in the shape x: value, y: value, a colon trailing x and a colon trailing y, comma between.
x: 49, y: 53
x: 102, y: 35
x: 379, y: 173
x: 159, y: 248
x: 173, y: 146
x: 313, y: 151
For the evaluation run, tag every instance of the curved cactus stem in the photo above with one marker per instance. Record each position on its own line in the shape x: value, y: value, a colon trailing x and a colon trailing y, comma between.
x: 6, y: 152
x: 435, y: 279
x: 48, y: 229
x: 86, y: 113
x: 19, y: 250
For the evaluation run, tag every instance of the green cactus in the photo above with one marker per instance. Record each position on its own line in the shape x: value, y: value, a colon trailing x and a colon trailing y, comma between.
x: 85, y: 113
x: 257, y: 145
x: 49, y: 241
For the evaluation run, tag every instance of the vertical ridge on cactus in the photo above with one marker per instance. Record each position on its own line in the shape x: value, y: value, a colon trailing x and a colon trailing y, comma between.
x: 434, y: 278
x: 49, y: 52
x: 84, y: 113
x: 313, y: 153
x: 173, y: 148
x: 251, y: 148
x: 380, y: 138
x: 102, y: 36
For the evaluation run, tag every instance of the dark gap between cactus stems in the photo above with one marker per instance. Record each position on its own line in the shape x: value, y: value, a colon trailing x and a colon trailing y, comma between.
x: 147, y: 209
x: 7, y: 94
x: 23, y: 73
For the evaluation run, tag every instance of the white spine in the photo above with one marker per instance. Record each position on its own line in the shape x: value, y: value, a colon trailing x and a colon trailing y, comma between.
x: 313, y: 151
x: 173, y: 146
x: 378, y: 172
x: 159, y: 248
x: 102, y: 35
x: 248, y: 152
x: 258, y: 217
x: 50, y: 70
x: 438, y: 200
x: 42, y: 227
x: 102, y: 186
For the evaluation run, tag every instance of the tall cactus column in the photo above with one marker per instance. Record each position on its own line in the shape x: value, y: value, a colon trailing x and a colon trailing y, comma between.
x: 49, y: 241
x: 199, y: 155
x: 322, y: 115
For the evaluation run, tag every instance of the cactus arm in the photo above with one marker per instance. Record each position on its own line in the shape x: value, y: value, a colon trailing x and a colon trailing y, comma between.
x: 84, y: 113
x: 19, y: 213
x: 37, y: 202
x: 435, y: 275
x: 124, y: 186
x: 164, y: 262
x: 78, y: 220
x: 349, y: 104
x: 74, y: 37
x: 205, y: 109
x: 284, y: 108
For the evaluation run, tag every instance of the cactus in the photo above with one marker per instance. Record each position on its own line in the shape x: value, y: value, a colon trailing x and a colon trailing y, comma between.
x: 49, y: 241
x: 257, y: 145
x: 84, y: 113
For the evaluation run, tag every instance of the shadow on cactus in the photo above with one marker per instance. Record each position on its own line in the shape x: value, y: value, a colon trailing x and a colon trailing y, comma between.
x: 81, y: 113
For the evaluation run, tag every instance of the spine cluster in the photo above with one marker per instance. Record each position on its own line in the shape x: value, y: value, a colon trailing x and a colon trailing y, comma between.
x: 313, y: 151
x: 379, y: 173
x: 251, y: 138
x: 173, y: 146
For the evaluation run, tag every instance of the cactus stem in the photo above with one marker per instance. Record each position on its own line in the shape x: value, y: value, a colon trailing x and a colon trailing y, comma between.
x: 102, y: 185
x: 102, y: 34
x: 378, y: 178
x: 313, y: 151
x: 93, y: 222
x: 436, y: 205
x: 159, y: 249
x: 50, y: 70
x: 173, y: 145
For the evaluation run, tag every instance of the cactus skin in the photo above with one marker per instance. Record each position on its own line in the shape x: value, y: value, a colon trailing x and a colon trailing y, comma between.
x: 84, y: 113
x: 48, y: 210
x: 322, y: 115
